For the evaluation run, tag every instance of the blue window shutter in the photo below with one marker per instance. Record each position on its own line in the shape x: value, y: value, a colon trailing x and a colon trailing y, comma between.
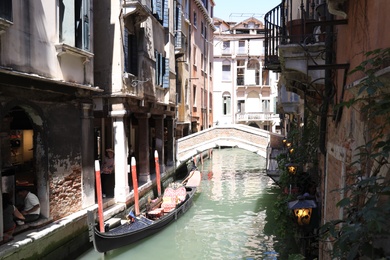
x: 166, y: 73
x: 154, y: 6
x: 166, y: 15
x: 178, y: 34
x: 159, y: 9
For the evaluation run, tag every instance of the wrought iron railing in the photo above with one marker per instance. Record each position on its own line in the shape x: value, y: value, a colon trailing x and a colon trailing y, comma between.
x: 292, y: 22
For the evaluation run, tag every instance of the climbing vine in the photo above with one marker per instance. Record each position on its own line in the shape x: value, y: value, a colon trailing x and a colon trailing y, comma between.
x: 365, y: 231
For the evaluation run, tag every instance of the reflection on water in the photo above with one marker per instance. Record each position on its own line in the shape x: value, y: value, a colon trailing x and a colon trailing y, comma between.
x: 227, y: 220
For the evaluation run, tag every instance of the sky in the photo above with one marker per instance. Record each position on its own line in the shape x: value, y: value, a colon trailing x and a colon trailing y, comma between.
x: 239, y: 10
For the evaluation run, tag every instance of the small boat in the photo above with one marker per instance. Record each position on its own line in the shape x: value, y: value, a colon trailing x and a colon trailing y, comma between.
x: 175, y: 202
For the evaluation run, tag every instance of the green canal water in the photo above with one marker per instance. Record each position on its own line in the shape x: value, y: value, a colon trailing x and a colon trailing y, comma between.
x: 231, y: 217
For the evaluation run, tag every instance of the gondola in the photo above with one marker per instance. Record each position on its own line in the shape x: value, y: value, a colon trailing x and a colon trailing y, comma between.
x: 174, y: 204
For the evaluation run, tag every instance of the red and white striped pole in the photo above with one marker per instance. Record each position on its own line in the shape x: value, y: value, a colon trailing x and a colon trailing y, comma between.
x: 158, y: 178
x: 99, y: 195
x: 135, y: 185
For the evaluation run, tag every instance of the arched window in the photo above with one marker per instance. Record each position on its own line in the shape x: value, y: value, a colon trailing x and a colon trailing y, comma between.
x: 226, y: 103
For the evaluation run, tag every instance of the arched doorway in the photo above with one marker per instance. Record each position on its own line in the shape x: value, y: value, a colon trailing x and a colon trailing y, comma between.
x: 22, y: 154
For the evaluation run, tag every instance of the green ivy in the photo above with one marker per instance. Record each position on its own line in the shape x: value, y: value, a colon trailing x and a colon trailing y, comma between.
x: 366, y: 230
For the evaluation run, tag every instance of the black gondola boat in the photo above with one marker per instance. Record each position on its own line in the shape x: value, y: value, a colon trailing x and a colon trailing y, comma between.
x: 142, y: 226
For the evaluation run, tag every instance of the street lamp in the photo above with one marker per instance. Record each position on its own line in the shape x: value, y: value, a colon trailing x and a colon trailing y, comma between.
x: 302, y: 208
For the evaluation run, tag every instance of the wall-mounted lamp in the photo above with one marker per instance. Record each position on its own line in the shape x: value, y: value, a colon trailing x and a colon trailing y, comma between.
x: 302, y: 209
x: 292, y: 168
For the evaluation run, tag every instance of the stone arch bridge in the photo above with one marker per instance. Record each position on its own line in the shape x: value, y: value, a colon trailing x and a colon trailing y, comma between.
x: 246, y: 137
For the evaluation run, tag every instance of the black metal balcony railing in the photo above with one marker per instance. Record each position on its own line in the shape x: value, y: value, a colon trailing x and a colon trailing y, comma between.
x: 290, y: 23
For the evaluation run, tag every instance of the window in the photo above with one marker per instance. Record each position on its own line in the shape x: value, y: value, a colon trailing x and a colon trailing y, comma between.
x: 226, y: 47
x: 160, y: 11
x: 241, y: 106
x: 226, y: 103
x: 241, y: 47
x: 226, y: 71
x: 240, y: 72
x: 265, y: 105
x: 253, y: 72
x: 194, y: 97
x: 74, y: 23
x: 187, y: 9
x: 162, y: 70
x: 265, y: 75
x: 131, y: 53
x: 195, y: 20
x: 194, y: 56
x: 6, y: 10
x: 202, y: 62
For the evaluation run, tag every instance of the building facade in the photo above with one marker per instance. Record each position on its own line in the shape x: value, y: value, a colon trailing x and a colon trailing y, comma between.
x: 244, y: 92
x: 46, y: 85
x: 194, y: 54
x: 334, y: 55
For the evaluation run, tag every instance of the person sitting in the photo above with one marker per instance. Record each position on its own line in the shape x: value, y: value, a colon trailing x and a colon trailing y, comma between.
x: 108, y: 163
x: 31, y: 210
x: 10, y: 214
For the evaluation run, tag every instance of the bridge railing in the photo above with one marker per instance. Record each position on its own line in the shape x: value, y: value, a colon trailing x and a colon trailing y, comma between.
x: 237, y: 135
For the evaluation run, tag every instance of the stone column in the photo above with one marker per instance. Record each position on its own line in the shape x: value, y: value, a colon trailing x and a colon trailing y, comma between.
x: 171, y: 148
x: 143, y: 166
x: 87, y: 157
x: 121, y: 190
x: 159, y: 133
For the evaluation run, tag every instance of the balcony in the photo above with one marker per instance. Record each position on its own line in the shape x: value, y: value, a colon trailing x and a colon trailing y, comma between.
x: 180, y: 43
x: 299, y: 44
x: 256, y: 116
x: 134, y: 13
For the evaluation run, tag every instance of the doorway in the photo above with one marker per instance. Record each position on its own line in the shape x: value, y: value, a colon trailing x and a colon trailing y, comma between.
x: 18, y: 169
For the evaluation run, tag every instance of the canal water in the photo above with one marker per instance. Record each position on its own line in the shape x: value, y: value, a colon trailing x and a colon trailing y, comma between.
x: 231, y: 217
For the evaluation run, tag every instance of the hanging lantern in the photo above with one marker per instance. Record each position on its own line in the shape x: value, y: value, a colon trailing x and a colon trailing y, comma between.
x: 288, y: 144
x: 291, y: 150
x: 284, y: 141
x: 302, y: 209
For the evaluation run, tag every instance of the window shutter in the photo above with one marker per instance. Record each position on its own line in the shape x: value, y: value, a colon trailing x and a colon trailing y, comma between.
x: 179, y: 33
x: 166, y: 73
x: 126, y: 48
x: 166, y: 14
x: 159, y: 9
x: 86, y: 25
x: 154, y: 6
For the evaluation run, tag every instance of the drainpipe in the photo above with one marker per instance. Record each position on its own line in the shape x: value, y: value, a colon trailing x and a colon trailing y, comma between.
x: 190, y: 66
